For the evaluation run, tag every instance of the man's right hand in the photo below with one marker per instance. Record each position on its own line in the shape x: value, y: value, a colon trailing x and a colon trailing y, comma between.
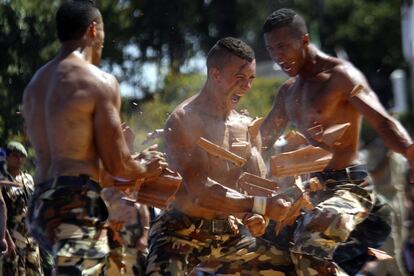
x: 154, y: 162
x: 277, y: 208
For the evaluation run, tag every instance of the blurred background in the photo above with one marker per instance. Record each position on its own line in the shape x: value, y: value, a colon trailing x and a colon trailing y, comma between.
x: 157, y: 48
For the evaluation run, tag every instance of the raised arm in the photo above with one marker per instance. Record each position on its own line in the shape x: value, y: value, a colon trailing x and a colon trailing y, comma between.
x: 364, y: 99
x: 186, y: 157
x: 275, y: 122
x: 109, y: 138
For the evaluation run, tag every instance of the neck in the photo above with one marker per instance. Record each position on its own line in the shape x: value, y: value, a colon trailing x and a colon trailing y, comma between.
x: 77, y: 47
x: 310, y: 66
x: 212, y: 101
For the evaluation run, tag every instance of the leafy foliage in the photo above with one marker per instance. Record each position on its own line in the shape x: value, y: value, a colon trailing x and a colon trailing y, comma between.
x: 169, y: 33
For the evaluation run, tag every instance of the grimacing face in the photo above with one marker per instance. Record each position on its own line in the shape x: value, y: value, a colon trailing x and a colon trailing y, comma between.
x: 286, y: 49
x: 237, y: 77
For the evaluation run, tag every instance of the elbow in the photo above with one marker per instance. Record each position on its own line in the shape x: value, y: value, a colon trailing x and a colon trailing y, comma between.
x: 114, y: 168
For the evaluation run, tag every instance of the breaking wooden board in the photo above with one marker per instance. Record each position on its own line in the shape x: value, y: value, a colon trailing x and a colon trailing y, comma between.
x: 328, y: 136
x: 303, y: 202
x: 254, y: 127
x: 160, y: 192
x: 295, y: 140
x: 357, y: 89
x: 241, y: 148
x: 302, y: 161
x: 256, y: 186
x: 294, y: 212
x: 220, y: 152
x: 379, y: 254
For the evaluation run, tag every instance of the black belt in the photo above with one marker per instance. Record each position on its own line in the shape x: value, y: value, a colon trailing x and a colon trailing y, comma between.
x: 351, y: 174
x: 73, y: 182
x: 208, y: 226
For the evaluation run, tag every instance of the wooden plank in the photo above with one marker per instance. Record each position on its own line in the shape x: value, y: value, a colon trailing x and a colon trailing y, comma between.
x: 379, y: 254
x: 160, y: 192
x: 220, y: 152
x: 302, y: 161
x: 254, y: 127
x: 328, y: 136
x: 250, y: 182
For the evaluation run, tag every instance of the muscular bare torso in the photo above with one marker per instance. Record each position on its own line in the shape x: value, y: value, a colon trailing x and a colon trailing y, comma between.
x: 58, y: 107
x: 322, y: 100
x: 195, y: 123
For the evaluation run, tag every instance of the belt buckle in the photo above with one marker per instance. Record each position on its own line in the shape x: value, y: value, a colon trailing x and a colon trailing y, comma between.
x: 217, y: 226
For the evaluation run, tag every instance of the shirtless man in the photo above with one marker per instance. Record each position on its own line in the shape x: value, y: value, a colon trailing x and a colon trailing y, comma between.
x: 71, y: 111
x: 324, y: 91
x: 200, y: 227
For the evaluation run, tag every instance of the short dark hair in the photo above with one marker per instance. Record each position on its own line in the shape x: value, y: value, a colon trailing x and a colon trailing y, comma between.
x: 283, y: 18
x: 224, y: 48
x: 73, y: 18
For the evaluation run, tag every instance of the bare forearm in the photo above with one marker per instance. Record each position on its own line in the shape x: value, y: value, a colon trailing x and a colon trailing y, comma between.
x: 394, y: 135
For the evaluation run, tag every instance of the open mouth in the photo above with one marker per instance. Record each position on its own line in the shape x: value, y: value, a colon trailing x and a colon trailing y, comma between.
x: 286, y: 66
x: 235, y: 99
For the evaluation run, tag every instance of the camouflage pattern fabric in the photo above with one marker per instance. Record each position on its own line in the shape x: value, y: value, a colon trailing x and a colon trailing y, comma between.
x: 338, y: 210
x: 134, y: 258
x: 27, y: 261
x: 178, y: 245
x: 372, y: 232
x: 67, y: 216
x: 125, y: 220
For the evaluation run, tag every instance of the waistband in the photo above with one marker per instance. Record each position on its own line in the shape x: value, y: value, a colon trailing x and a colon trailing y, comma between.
x: 206, y: 226
x: 69, y: 181
x: 353, y: 174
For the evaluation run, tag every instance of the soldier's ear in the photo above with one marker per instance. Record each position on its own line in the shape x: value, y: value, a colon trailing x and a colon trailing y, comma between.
x: 214, y: 72
x: 91, y: 31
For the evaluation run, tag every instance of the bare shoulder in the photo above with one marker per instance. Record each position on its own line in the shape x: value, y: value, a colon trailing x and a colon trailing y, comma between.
x: 285, y: 89
x: 347, y: 76
x: 106, y: 84
x: 185, y: 119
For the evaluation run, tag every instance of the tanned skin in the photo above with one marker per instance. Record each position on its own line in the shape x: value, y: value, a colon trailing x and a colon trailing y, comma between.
x: 208, y: 181
x: 325, y: 91
x: 71, y: 111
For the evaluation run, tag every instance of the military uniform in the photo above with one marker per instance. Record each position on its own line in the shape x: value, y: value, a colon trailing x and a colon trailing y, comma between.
x: 67, y: 216
x: 27, y: 261
x: 125, y: 219
x: 180, y: 243
x: 347, y: 218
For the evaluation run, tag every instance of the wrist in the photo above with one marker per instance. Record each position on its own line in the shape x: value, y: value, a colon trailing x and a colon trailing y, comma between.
x: 259, y: 205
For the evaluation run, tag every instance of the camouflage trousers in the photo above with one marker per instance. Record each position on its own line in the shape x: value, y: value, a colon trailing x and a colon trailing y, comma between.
x: 338, y: 210
x: 67, y: 216
x: 180, y: 244
x: 27, y: 260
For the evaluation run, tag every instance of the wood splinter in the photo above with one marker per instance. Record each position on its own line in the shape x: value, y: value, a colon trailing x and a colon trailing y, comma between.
x: 357, y: 89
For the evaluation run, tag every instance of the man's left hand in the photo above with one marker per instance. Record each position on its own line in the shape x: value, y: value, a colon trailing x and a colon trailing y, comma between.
x: 256, y: 224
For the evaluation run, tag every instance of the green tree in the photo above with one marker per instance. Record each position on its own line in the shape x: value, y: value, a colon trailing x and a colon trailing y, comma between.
x: 25, y: 31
